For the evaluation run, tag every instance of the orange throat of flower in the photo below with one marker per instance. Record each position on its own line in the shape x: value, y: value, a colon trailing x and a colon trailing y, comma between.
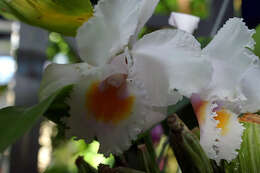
x: 108, y: 102
x: 223, y: 116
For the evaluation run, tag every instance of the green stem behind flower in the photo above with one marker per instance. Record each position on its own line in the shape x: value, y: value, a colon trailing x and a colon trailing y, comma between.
x: 189, y: 154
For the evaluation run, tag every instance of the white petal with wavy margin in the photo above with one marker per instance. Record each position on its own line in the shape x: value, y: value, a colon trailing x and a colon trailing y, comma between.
x: 113, y: 138
x: 108, y: 31
x: 146, y: 12
x: 230, y: 59
x: 219, y: 141
x: 174, y: 56
x: 58, y: 75
x: 251, y: 89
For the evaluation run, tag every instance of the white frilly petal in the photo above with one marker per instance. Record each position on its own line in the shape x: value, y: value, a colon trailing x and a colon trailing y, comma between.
x: 80, y: 123
x: 58, y: 75
x: 230, y: 57
x: 146, y: 11
x: 229, y: 144
x: 218, y: 144
x: 251, y: 89
x: 209, y: 134
x: 174, y: 56
x: 108, y: 31
x: 113, y: 137
x: 149, y: 73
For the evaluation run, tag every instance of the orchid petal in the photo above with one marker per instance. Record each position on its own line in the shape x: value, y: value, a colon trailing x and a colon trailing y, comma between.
x: 58, y: 75
x: 149, y: 74
x: 146, y: 10
x: 230, y: 59
x: 230, y: 141
x: 175, y: 56
x: 114, y: 137
x: 108, y: 32
x: 220, y: 130
x: 250, y: 87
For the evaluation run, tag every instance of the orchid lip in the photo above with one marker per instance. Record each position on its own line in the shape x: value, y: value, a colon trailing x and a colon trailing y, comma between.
x: 109, y: 100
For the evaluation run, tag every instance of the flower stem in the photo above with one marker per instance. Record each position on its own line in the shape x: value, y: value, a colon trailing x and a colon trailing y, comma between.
x: 188, y: 152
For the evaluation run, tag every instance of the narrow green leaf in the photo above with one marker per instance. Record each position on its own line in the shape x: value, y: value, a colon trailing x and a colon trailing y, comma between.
x: 15, y: 121
x: 257, y: 40
x: 248, y: 159
x: 63, y: 16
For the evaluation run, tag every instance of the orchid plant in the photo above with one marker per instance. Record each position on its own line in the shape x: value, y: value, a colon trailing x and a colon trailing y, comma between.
x: 123, y: 85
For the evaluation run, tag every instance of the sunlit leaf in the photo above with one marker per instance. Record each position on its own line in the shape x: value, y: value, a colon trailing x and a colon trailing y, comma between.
x: 198, y: 8
x: 63, y: 16
x: 15, y: 121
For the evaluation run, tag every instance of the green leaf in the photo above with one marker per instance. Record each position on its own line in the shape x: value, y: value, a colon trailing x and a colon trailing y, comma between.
x: 257, y: 40
x: 15, y: 121
x: 248, y: 159
x: 63, y: 16
x: 58, y: 110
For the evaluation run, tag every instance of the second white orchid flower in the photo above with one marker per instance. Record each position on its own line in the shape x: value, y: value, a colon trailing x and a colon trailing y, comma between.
x: 232, y: 90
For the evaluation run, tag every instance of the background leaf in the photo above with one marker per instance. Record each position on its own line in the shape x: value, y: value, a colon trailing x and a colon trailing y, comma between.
x: 63, y: 16
x: 257, y: 40
x: 248, y: 159
x: 15, y: 121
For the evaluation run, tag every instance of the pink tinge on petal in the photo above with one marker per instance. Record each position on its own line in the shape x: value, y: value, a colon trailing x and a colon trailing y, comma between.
x: 218, y: 107
x: 196, y: 101
x: 199, y: 107
x: 121, y: 63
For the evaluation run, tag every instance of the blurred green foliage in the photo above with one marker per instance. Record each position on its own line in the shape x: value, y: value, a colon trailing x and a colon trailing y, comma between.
x: 23, y: 119
x: 3, y: 88
x: 166, y: 7
x: 198, y: 8
x: 55, y: 15
x: 204, y: 41
x: 66, y: 153
x: 237, y: 7
x: 59, y: 47
x: 257, y: 40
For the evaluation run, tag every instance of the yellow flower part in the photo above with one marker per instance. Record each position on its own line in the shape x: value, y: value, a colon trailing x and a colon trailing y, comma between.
x: 223, y: 116
x: 60, y: 16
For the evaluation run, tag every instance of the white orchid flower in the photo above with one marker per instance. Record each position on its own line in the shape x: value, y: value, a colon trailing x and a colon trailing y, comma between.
x: 123, y: 85
x: 232, y: 90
